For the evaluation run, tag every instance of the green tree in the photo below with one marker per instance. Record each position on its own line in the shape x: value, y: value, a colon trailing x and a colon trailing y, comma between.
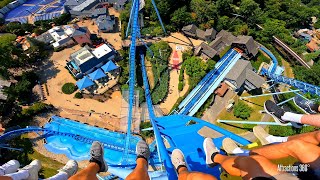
x: 314, y: 56
x: 272, y: 27
x: 223, y: 23
x: 224, y: 7
x: 242, y: 110
x: 181, y: 17
x: 248, y: 8
x: 204, y: 10
x: 22, y: 90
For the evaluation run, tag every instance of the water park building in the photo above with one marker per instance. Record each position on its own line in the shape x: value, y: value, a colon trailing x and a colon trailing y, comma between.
x: 62, y: 36
x: 86, y: 60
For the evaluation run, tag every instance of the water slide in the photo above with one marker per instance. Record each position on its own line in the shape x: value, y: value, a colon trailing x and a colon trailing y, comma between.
x: 303, y: 86
x: 191, y: 104
x: 47, y: 132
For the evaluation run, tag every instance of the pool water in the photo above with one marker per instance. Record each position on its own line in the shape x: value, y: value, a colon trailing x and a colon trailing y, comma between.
x: 77, y: 150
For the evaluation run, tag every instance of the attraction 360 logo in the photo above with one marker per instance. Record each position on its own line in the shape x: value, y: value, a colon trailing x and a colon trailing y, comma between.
x: 293, y: 168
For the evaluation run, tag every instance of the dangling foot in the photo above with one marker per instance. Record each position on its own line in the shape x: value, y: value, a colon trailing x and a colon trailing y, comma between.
x: 142, y: 150
x: 210, y: 150
x: 10, y: 167
x: 275, y: 111
x: 97, y: 153
x: 306, y: 105
x: 177, y: 159
x: 33, y: 168
x: 70, y: 168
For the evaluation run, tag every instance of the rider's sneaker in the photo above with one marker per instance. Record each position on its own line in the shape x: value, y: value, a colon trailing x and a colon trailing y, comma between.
x: 33, y: 168
x: 10, y: 167
x: 209, y: 150
x: 306, y: 105
x: 70, y: 168
x: 229, y: 145
x: 142, y: 150
x: 96, y: 155
x: 275, y: 111
x: 296, y: 125
x: 177, y: 159
x: 261, y: 134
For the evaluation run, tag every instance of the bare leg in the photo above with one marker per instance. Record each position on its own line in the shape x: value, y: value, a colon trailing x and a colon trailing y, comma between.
x: 140, y: 172
x: 88, y: 173
x: 5, y: 178
x: 247, y: 167
x: 184, y: 174
x: 311, y: 137
x: 301, y: 150
x: 311, y: 119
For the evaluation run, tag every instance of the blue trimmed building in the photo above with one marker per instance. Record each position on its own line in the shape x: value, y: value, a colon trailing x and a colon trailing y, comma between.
x: 86, y: 60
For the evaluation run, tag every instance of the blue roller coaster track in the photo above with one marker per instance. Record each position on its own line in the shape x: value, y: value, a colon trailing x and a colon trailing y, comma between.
x: 271, y: 73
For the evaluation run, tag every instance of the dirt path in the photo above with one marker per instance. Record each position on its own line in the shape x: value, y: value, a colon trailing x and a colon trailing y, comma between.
x: 174, y: 94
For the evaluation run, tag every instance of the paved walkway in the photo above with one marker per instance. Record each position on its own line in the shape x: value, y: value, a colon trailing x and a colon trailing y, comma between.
x: 219, y: 104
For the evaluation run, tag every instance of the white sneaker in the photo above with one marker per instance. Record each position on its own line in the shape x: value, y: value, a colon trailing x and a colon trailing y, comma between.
x: 70, y: 168
x: 209, y: 149
x: 10, y: 167
x: 177, y: 159
x: 33, y: 169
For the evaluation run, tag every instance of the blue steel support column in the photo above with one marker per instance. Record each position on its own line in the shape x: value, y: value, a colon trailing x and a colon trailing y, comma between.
x: 160, y: 145
x: 159, y: 17
x: 129, y: 23
x: 132, y: 71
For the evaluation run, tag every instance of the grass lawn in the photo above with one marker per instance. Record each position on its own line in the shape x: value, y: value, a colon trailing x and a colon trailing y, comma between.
x: 261, y: 57
x: 49, y: 166
x: 255, y: 103
x: 287, y: 69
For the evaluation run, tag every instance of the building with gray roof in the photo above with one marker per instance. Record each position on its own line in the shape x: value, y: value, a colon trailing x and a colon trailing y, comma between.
x: 224, y: 39
x: 194, y: 32
x: 106, y: 23
x: 246, y: 43
x: 242, y: 77
x: 119, y: 5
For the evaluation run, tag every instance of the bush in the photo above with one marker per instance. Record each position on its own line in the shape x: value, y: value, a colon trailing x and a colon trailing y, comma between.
x: 290, y: 130
x: 146, y: 134
x: 34, y: 109
x: 58, y: 49
x: 242, y: 110
x: 78, y: 95
x: 69, y: 88
x: 180, y: 86
x: 160, y: 70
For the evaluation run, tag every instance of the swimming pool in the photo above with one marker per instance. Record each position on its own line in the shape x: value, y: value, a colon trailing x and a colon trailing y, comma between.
x: 77, y: 150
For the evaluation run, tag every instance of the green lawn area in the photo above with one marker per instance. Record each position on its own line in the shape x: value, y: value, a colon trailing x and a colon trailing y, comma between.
x: 256, y: 62
x: 49, y: 166
x: 255, y: 103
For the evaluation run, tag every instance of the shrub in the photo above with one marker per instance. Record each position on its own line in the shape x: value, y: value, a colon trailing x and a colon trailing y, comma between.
x: 69, y: 88
x: 180, y: 86
x: 78, y: 95
x: 242, y: 110
x: 34, y: 109
x: 58, y: 49
x: 146, y: 134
